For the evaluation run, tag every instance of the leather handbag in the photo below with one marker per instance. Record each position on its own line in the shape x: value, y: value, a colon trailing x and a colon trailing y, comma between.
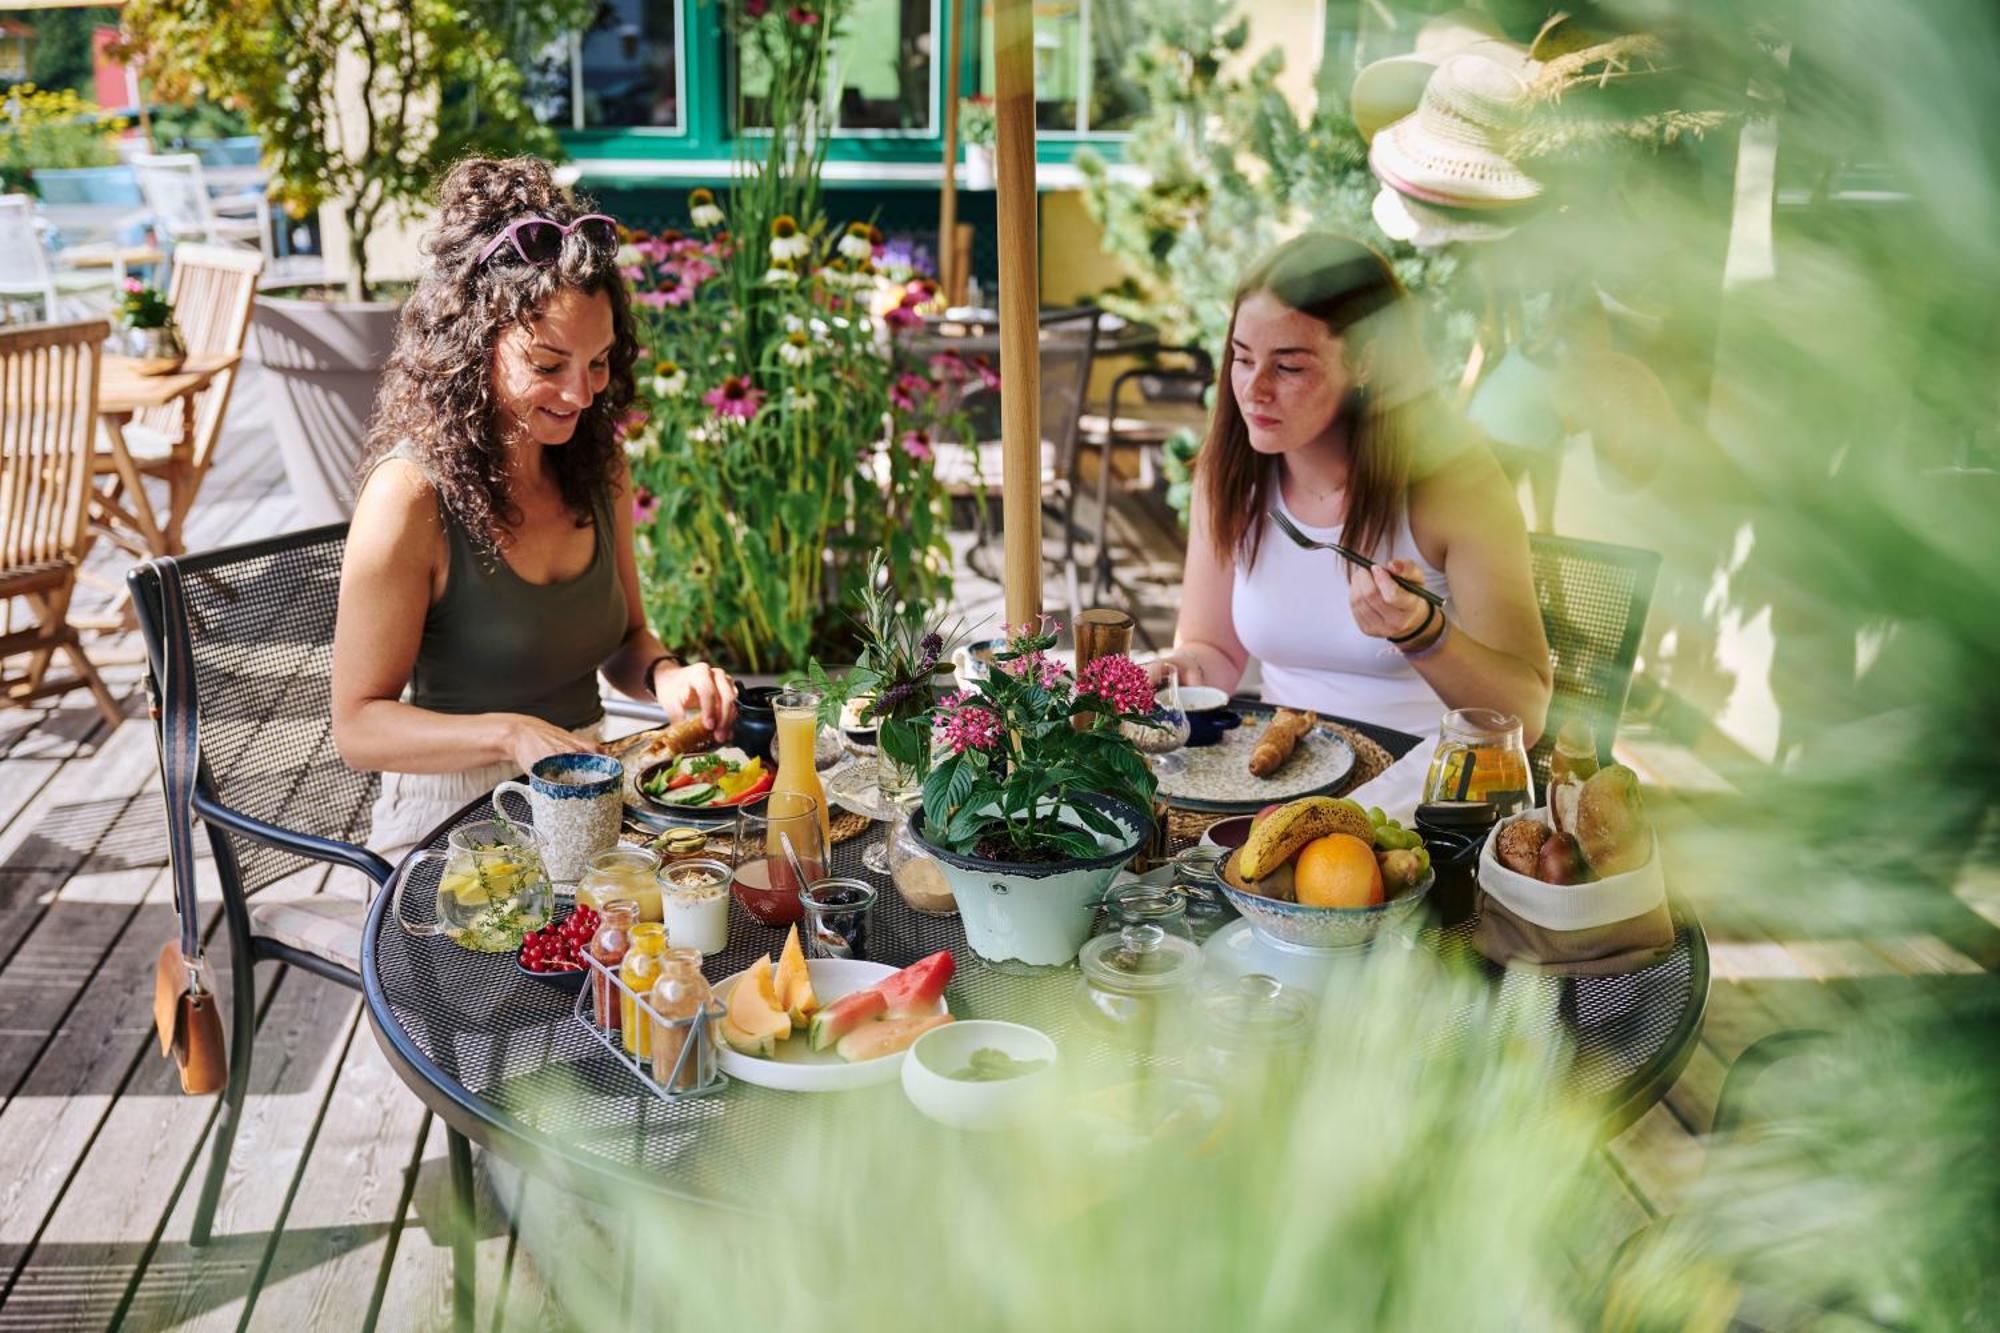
x: 184, y: 1003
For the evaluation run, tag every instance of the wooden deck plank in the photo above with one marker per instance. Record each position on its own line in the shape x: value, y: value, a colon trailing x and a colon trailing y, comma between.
x: 1657, y: 1158
x: 418, y: 1292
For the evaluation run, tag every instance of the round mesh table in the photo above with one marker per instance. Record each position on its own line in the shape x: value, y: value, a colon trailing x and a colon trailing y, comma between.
x: 501, y: 1057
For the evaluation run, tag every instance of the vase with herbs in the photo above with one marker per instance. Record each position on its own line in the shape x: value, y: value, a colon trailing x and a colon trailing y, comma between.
x: 148, y: 333
x: 1029, y: 815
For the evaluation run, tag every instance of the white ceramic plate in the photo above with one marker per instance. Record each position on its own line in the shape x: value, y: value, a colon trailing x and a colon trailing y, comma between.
x: 799, y: 1068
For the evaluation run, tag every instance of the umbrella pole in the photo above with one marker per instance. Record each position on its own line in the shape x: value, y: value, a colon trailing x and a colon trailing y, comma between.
x: 1020, y: 301
x: 950, y: 281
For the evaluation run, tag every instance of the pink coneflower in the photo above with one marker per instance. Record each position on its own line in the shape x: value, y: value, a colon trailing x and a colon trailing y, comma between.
x: 948, y: 367
x: 695, y: 270
x: 971, y: 728
x: 901, y: 317
x: 909, y: 391
x: 919, y: 291
x: 1120, y: 682
x: 983, y: 368
x: 917, y: 444
x: 801, y: 16
x: 735, y: 397
x: 633, y: 274
x: 645, y: 506
x: 635, y: 420
x: 656, y: 251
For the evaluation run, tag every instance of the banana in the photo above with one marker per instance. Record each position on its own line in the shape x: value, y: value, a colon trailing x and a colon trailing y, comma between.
x: 1274, y: 839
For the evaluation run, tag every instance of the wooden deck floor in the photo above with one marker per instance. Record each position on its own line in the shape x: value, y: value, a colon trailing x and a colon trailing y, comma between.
x: 325, y: 1219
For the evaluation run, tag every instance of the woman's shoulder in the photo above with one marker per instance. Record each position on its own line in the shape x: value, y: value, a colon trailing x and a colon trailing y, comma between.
x: 397, y: 494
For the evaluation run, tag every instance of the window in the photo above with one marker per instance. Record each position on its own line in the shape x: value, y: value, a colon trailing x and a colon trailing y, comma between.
x: 880, y: 74
x: 1080, y: 83
x: 624, y: 71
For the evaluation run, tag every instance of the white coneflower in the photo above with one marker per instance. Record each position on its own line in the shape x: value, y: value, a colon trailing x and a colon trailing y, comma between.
x: 702, y: 209
x: 793, y: 323
x: 788, y: 243
x: 669, y: 380
x: 855, y: 245
x: 779, y: 275
x: 795, y: 401
x: 628, y: 257
x: 796, y: 349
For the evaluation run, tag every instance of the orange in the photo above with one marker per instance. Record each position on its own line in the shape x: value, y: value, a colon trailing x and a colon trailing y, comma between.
x: 1338, y: 870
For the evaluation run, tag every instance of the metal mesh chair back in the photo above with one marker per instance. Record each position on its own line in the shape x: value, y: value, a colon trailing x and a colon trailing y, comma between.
x: 1594, y: 598
x: 261, y: 623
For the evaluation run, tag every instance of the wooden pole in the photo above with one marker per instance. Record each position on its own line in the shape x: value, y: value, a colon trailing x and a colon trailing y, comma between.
x: 1020, y: 302
x: 950, y: 281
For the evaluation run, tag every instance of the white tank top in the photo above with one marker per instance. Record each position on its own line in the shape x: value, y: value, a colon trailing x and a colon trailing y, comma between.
x: 1291, y: 613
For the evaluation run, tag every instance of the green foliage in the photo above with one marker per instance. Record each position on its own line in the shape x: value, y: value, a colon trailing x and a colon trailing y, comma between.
x: 52, y: 129
x: 975, y: 121
x: 903, y: 649
x: 1017, y: 763
x: 363, y: 103
x: 62, y: 55
x: 143, y: 307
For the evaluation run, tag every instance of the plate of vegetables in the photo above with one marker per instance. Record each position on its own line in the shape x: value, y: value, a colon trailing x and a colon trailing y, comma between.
x: 708, y: 785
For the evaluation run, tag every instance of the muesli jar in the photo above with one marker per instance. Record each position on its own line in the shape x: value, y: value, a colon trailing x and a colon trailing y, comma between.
x: 694, y: 904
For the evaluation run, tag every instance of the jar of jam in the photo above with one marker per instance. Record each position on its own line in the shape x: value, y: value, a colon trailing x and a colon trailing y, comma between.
x: 622, y: 872
x: 639, y: 970
x: 608, y: 946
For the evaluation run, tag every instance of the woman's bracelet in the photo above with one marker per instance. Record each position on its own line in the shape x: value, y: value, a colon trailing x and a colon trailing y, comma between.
x: 1419, y: 654
x: 1430, y: 614
x: 652, y: 668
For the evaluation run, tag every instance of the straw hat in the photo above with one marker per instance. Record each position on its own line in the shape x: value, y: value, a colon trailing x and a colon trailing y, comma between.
x: 1386, y: 90
x: 1448, y: 152
x: 1427, y: 226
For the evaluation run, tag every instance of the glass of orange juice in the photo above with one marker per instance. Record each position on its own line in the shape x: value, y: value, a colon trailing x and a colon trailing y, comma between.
x: 1480, y: 757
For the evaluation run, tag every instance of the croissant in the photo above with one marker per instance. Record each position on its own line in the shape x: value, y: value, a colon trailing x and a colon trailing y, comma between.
x: 687, y: 736
x: 1275, y: 746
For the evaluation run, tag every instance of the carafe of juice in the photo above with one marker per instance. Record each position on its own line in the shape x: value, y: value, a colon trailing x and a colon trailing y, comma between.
x: 639, y: 970
x: 798, y: 730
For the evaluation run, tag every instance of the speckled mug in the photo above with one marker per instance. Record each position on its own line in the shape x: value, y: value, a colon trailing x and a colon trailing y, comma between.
x: 575, y: 802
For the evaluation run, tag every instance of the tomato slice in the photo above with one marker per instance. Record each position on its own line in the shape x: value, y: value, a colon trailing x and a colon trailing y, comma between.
x: 680, y: 780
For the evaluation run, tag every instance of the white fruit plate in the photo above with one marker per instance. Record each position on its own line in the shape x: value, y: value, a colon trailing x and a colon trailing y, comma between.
x: 798, y: 1067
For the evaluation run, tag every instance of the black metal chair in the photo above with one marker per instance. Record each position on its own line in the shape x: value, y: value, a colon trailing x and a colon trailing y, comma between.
x: 273, y: 793
x: 1594, y: 598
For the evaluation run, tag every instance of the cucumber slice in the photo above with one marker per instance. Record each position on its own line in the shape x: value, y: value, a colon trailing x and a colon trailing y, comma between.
x: 695, y: 793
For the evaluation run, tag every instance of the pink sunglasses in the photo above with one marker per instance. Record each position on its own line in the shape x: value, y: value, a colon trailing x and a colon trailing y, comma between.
x: 539, y: 240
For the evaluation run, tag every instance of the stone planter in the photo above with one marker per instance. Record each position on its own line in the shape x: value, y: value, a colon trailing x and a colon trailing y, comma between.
x: 1038, y: 915
x: 324, y: 360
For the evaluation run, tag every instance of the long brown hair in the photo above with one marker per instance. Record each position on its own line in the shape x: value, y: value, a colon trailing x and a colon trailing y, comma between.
x: 1351, y: 289
x: 437, y: 391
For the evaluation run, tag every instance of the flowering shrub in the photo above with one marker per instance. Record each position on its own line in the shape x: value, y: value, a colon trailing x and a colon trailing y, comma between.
x: 143, y: 307
x: 782, y: 441
x: 51, y: 128
x: 1016, y: 762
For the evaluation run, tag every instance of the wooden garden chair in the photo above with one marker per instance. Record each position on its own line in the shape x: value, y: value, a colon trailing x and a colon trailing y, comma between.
x: 213, y: 291
x: 48, y: 430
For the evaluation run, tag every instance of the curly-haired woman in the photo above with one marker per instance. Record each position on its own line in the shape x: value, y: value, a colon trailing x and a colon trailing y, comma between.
x: 490, y: 573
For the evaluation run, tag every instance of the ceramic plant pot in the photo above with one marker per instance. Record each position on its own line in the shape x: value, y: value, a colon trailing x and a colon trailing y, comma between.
x: 1037, y: 914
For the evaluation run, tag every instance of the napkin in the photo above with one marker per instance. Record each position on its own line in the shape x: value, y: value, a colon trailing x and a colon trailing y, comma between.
x: 1399, y: 788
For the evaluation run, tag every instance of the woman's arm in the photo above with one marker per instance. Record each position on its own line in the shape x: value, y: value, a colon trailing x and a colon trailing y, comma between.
x: 683, y: 691
x: 1494, y: 655
x: 386, y: 579
x: 1206, y: 648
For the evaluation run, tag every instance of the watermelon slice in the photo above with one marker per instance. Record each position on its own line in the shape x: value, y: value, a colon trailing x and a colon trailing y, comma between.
x: 844, y: 1015
x: 915, y: 990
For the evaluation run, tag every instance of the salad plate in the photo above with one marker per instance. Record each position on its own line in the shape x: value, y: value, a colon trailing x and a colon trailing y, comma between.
x: 706, y: 787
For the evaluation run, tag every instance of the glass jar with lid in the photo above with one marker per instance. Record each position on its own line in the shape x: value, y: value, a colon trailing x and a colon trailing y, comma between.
x: 1253, y: 1037
x: 912, y: 868
x: 1480, y: 756
x: 1143, y: 904
x: 1136, y: 986
x: 622, y: 872
x: 1198, y: 876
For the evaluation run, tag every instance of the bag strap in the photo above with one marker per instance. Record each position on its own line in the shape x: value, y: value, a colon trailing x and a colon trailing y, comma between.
x: 179, y: 736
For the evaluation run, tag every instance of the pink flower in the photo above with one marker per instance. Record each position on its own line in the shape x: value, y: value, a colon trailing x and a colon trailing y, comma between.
x: 948, y: 367
x: 634, y: 420
x: 656, y: 250
x: 756, y: 9
x: 909, y: 391
x: 735, y: 397
x: 657, y: 300
x: 902, y: 317
x: 134, y: 285
x: 1036, y: 665
x: 1120, y: 682
x: 633, y: 274
x: 917, y: 444
x: 801, y: 16
x: 984, y: 369
x: 645, y: 506
x: 695, y: 270
x: 971, y: 728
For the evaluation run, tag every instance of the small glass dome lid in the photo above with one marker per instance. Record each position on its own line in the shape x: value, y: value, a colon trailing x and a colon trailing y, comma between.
x: 1140, y: 959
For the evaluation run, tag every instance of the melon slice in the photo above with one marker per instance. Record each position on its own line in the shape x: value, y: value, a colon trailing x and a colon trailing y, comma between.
x: 844, y: 1015
x: 794, y: 981
x: 886, y: 1036
x: 756, y: 1022
x: 914, y: 991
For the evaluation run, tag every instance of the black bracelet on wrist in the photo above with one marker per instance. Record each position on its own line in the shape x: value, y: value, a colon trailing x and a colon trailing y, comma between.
x: 653, y: 667
x: 1430, y: 615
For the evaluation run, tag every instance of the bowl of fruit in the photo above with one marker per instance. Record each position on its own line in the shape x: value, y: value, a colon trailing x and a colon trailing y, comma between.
x: 554, y: 953
x: 1323, y: 873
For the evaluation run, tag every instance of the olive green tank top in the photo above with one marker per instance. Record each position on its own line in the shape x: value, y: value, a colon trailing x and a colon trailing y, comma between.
x: 495, y: 643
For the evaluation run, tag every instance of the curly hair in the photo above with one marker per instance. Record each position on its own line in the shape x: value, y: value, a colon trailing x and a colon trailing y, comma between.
x: 437, y: 395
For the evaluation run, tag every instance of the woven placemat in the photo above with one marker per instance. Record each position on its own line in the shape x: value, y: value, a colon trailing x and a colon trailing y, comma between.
x: 1370, y: 761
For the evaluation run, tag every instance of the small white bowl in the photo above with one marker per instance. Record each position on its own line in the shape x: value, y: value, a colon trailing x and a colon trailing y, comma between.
x: 1202, y: 698
x: 980, y: 1106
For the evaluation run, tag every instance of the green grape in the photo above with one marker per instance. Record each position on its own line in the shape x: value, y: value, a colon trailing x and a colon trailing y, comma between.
x: 1377, y: 816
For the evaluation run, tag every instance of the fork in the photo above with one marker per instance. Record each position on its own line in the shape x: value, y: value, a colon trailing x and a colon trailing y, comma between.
x: 1299, y: 539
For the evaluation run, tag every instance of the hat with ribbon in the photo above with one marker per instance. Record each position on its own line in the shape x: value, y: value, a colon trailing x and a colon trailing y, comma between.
x: 1451, y: 151
x: 1386, y: 90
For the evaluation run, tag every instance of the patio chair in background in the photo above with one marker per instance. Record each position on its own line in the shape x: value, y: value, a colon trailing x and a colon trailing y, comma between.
x: 213, y: 291
x: 183, y: 210
x: 48, y: 428
x: 29, y: 272
x: 1594, y: 598
x: 1068, y: 350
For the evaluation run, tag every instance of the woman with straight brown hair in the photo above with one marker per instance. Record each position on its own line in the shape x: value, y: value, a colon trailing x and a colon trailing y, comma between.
x: 1327, y: 411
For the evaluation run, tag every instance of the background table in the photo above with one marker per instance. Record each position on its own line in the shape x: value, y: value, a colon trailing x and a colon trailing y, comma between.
x: 499, y: 1056
x: 121, y: 393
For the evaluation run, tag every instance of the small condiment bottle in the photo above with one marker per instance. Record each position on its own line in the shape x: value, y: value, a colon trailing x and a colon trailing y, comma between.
x: 1136, y: 983
x: 679, y: 1000
x: 694, y: 904
x: 639, y: 970
x: 608, y: 946
x: 1253, y: 1037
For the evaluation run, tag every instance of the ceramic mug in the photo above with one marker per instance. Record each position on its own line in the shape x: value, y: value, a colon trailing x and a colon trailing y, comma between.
x: 1208, y: 713
x: 575, y: 802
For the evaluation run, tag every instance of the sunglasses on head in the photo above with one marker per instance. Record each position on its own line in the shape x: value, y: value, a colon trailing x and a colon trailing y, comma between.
x: 539, y: 240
